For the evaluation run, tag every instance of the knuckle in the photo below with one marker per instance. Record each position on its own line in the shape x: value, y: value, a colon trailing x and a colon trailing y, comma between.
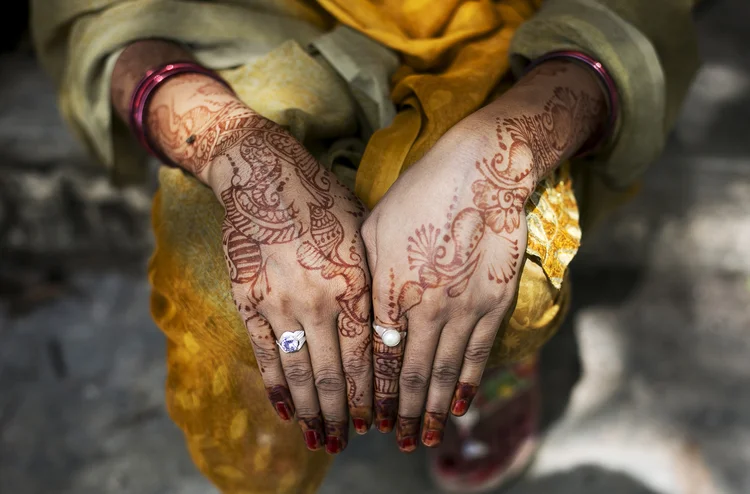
x: 280, y: 303
x: 330, y: 381
x: 319, y: 318
x: 433, y: 306
x: 357, y: 367
x: 467, y: 311
x: 317, y: 302
x: 445, y: 374
x: 306, y: 412
x: 414, y: 381
x: 265, y: 354
x: 298, y: 374
x: 478, y: 354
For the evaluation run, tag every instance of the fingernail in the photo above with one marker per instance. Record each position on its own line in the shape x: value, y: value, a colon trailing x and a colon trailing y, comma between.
x: 312, y: 440
x: 462, y: 398
x: 385, y: 425
x: 360, y: 426
x: 333, y: 445
x: 283, y: 411
x: 407, y: 444
x: 282, y: 401
x: 459, y: 408
x: 432, y: 438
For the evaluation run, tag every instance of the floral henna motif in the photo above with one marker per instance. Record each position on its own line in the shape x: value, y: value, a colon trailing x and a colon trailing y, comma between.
x: 529, y: 147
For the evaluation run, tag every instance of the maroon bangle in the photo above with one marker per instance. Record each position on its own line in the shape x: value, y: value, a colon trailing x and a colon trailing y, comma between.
x: 142, y: 96
x: 613, y: 97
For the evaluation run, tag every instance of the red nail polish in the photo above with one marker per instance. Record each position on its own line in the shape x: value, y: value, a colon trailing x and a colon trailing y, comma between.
x: 459, y: 408
x: 408, y: 444
x: 333, y: 445
x: 385, y: 425
x: 283, y: 411
x: 360, y: 425
x: 312, y: 439
x: 431, y: 437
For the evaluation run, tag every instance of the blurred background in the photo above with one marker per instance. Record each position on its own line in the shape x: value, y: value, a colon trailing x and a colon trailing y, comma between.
x: 647, y: 388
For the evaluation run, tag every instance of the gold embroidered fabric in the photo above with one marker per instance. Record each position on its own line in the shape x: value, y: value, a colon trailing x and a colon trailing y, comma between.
x: 553, y: 224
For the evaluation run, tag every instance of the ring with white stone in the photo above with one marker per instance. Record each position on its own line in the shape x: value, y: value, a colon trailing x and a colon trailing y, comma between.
x: 391, y: 337
x: 291, y: 341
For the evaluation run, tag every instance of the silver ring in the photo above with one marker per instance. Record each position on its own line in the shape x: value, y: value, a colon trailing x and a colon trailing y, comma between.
x: 391, y: 337
x: 292, y: 341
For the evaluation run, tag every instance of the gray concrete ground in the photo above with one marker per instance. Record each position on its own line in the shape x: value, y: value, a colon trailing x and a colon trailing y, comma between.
x: 661, y: 320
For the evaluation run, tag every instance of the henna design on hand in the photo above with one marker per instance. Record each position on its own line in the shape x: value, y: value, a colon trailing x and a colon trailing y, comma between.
x: 449, y: 256
x: 196, y: 137
x: 388, y: 362
x: 258, y: 215
x: 275, y: 195
x: 361, y: 416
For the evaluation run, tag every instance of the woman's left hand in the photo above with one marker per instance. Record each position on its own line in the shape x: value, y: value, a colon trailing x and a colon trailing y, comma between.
x: 447, y: 242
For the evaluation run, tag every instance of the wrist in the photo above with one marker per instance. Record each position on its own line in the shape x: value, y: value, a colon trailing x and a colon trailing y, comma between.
x: 582, y: 73
x: 192, y: 118
x: 224, y: 140
x: 132, y: 65
x: 544, y: 119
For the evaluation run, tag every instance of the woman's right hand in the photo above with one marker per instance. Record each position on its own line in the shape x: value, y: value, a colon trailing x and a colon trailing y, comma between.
x: 292, y: 245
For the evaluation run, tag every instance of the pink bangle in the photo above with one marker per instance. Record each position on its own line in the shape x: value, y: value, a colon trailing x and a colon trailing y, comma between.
x: 610, y: 88
x: 142, y: 96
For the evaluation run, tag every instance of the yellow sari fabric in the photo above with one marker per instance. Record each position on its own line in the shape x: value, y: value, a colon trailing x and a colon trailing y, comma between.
x: 455, y: 55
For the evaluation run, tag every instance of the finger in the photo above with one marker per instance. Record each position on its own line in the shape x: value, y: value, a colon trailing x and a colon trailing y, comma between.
x: 322, y: 338
x: 356, y: 354
x: 266, y: 352
x: 387, y: 360
x: 474, y: 361
x: 355, y: 340
x: 445, y: 371
x: 299, y: 377
x: 424, y: 333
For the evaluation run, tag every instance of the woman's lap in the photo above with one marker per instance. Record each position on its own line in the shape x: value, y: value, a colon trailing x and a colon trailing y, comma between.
x: 215, y: 393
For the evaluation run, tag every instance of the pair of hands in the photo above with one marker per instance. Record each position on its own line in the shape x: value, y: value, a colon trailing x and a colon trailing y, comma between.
x: 438, y: 258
